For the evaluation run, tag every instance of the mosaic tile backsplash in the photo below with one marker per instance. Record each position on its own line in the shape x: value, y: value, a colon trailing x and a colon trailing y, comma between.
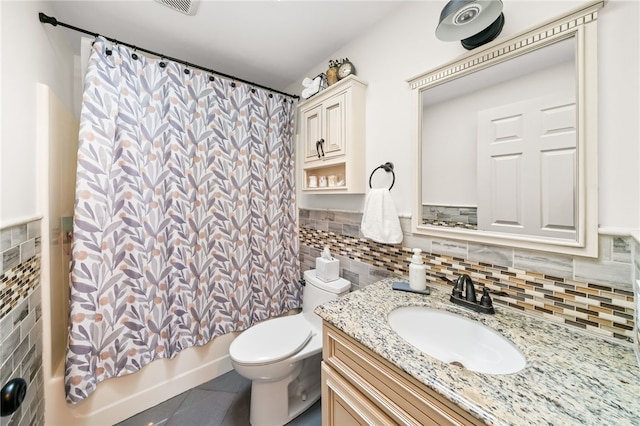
x: 595, y: 295
x: 451, y: 216
x: 20, y: 319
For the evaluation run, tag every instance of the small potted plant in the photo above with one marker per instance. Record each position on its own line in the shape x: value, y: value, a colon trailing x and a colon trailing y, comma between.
x: 332, y: 72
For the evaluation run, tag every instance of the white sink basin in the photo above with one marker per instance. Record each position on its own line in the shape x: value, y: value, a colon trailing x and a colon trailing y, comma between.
x: 455, y: 339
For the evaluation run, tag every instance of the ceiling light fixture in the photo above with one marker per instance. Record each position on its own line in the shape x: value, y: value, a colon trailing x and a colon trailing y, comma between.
x: 473, y: 22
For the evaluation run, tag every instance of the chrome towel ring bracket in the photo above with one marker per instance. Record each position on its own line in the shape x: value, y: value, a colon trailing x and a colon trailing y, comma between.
x: 387, y: 167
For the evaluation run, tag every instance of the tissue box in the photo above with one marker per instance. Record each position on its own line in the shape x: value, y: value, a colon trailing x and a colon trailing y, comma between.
x: 327, y: 270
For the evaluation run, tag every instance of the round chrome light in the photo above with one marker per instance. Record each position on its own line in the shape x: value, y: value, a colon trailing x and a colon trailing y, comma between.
x: 467, y: 14
x: 462, y: 19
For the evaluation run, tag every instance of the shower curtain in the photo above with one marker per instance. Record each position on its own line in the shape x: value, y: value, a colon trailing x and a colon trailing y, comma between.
x: 185, y: 219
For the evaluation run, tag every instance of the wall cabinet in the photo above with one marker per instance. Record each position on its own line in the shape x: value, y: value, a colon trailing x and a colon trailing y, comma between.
x: 360, y: 387
x: 332, y: 133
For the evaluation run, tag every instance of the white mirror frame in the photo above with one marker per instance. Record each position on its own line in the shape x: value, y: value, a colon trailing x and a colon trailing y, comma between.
x: 580, y: 23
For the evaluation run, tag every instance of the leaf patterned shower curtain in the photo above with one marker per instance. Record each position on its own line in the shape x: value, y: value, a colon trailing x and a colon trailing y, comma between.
x: 185, y: 219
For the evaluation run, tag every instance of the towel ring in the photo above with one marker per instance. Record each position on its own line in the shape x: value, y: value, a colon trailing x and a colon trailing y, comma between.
x: 387, y: 167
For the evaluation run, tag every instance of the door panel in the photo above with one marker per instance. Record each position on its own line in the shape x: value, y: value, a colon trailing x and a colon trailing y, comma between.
x: 311, y: 132
x: 527, y: 167
x: 506, y: 196
x: 558, y: 207
x: 335, y: 128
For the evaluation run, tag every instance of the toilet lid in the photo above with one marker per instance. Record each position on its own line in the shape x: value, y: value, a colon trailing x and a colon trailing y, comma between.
x: 271, y: 340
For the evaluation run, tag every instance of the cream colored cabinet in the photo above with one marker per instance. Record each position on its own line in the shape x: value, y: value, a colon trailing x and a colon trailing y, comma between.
x: 360, y: 387
x: 324, y: 129
x: 345, y: 405
x: 332, y: 128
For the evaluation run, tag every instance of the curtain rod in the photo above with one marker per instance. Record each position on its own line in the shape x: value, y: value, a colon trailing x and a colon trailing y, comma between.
x: 53, y: 21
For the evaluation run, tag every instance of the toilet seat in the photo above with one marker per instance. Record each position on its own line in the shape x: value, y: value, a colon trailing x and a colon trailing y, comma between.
x: 271, y: 340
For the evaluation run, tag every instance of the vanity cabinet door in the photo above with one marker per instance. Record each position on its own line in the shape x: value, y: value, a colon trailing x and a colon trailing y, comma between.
x: 342, y: 404
x: 392, y: 391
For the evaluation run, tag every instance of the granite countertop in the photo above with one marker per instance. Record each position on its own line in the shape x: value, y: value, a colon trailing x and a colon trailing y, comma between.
x: 571, y: 377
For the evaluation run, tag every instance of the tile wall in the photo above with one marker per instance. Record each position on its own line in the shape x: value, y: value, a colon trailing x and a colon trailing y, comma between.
x: 636, y: 287
x: 451, y: 216
x: 20, y: 319
x: 595, y: 295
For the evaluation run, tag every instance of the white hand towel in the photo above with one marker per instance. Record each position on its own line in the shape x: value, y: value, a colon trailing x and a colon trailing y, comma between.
x: 380, y: 220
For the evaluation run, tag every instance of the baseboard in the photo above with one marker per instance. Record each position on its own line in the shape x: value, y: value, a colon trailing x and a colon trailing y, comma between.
x: 119, y: 398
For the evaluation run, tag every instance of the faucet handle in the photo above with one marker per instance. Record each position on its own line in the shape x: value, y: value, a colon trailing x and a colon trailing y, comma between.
x: 485, y: 300
x: 497, y: 292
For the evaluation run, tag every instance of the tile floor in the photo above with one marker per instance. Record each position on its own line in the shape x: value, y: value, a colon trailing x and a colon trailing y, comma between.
x: 223, y: 401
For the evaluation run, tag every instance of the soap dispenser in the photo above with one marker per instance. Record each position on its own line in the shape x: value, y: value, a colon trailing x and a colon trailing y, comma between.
x: 417, y: 271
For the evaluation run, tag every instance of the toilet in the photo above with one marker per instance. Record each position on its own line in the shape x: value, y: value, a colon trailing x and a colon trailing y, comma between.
x: 281, y: 356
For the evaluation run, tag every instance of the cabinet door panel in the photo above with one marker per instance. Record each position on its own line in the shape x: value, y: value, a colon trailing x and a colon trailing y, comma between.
x: 342, y: 404
x: 398, y: 396
x: 311, y: 132
x: 335, y: 126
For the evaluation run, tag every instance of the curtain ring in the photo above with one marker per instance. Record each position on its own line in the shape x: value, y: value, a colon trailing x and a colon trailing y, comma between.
x: 115, y: 45
x: 387, y: 167
x: 134, y: 55
x: 162, y: 64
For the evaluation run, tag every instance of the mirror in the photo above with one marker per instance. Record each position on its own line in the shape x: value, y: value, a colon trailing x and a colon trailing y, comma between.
x: 506, y: 148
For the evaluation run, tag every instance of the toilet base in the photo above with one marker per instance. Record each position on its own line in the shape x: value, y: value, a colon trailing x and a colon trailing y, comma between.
x: 299, y: 391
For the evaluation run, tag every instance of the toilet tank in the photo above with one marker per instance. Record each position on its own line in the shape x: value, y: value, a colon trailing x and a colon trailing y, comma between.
x: 316, y: 292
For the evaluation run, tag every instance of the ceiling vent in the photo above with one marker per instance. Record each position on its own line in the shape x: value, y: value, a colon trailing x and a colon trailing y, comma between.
x: 188, y: 7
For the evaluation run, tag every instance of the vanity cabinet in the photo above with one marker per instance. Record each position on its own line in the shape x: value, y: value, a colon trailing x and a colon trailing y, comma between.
x: 332, y: 129
x: 360, y: 387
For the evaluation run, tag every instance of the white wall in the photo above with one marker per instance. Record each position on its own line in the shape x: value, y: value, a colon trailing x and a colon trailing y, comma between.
x: 619, y: 126
x: 404, y: 45
x: 31, y: 53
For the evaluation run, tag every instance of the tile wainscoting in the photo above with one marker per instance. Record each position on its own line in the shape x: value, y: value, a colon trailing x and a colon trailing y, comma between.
x: 595, y: 295
x: 452, y: 216
x: 636, y: 289
x: 20, y: 318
